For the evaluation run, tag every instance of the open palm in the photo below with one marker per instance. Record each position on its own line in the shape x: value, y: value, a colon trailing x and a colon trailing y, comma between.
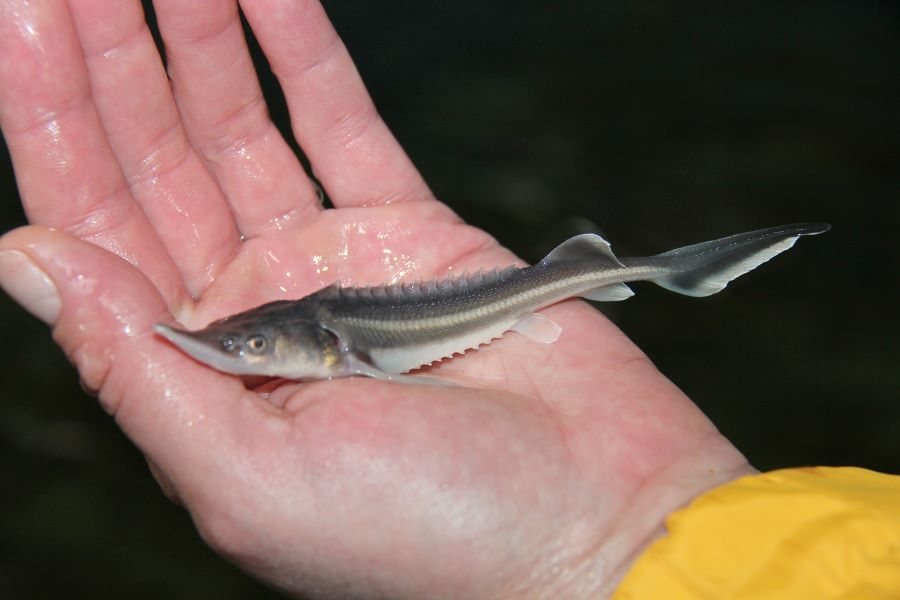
x: 545, y: 470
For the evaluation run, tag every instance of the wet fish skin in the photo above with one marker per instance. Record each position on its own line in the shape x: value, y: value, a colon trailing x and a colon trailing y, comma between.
x: 384, y: 331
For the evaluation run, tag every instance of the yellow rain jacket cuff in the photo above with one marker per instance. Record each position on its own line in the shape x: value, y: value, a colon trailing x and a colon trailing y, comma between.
x: 796, y: 533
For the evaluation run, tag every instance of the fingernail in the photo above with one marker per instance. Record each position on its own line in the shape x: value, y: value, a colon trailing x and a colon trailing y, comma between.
x: 29, y: 285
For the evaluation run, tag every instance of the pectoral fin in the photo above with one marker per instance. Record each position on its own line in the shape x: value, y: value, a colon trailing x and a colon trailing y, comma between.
x: 355, y: 365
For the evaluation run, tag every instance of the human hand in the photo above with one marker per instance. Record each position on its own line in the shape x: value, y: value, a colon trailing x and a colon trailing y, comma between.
x: 544, y: 473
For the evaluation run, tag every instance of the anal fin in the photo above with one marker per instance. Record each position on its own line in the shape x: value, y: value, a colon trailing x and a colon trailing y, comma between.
x: 609, y: 293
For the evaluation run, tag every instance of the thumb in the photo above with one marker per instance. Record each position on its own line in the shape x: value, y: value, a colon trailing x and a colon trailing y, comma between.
x: 106, y: 299
x: 183, y: 416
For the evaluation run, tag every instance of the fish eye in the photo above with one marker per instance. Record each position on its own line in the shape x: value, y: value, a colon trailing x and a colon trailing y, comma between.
x: 256, y: 344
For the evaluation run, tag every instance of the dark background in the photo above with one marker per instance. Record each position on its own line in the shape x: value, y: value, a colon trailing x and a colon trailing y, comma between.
x: 655, y: 123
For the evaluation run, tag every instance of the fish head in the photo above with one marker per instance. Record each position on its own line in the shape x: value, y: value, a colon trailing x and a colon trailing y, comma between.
x: 299, y: 349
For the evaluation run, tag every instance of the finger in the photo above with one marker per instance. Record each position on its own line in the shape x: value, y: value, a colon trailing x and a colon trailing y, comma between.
x: 67, y: 175
x: 190, y: 421
x: 165, y: 484
x: 225, y: 115
x: 352, y: 151
x: 166, y: 177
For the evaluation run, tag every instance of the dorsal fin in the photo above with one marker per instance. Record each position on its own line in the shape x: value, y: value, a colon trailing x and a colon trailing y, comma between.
x: 581, y: 247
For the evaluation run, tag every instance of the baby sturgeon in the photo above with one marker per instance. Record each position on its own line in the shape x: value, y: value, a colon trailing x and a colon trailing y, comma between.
x: 387, y: 330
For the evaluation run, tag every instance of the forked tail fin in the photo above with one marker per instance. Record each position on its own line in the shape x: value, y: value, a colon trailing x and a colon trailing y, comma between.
x: 706, y: 268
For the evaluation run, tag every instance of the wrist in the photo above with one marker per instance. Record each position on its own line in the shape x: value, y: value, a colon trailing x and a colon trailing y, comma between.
x: 597, y: 552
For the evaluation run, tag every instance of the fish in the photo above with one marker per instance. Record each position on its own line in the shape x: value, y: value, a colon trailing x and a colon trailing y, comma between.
x: 385, y: 331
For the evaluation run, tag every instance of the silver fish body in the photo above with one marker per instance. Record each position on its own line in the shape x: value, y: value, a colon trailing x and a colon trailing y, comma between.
x: 384, y: 331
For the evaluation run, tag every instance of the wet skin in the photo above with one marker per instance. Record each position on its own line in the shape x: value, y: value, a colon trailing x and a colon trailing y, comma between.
x: 542, y: 477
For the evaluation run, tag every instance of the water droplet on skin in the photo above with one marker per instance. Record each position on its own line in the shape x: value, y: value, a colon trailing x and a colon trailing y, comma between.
x: 27, y: 28
x: 54, y: 130
x: 190, y: 423
x: 279, y: 223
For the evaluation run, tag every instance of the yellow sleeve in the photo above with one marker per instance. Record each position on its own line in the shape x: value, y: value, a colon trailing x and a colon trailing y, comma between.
x: 797, y: 533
